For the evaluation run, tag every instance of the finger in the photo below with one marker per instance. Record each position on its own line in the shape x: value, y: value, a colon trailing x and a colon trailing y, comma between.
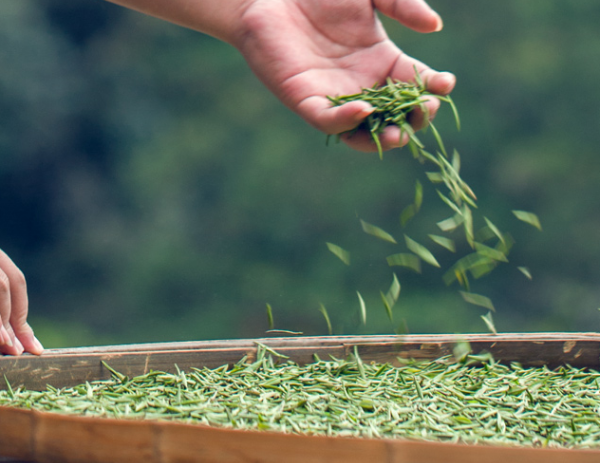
x: 17, y: 334
x: 440, y: 83
x: 414, y: 14
x: 362, y: 140
x: 19, y: 311
x: 334, y: 119
x: 420, y: 118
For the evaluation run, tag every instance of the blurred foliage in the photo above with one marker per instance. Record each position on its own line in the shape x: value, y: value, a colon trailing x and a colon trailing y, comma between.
x: 152, y: 190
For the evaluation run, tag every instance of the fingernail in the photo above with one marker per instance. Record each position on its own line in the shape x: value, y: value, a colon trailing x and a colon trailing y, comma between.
x: 6, y: 340
x: 364, y: 113
x: 37, y: 345
x: 19, y: 346
x: 440, y: 25
x: 450, y: 79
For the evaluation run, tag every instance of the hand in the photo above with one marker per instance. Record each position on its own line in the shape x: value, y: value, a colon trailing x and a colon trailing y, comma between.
x: 304, y: 50
x: 16, y: 336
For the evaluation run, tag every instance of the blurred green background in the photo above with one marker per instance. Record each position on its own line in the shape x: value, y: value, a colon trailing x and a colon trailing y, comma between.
x: 152, y: 190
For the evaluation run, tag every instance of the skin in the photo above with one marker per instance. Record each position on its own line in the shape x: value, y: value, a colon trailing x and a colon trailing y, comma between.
x: 302, y: 50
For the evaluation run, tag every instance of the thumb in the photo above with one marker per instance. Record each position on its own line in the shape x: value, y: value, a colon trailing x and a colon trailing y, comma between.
x: 414, y: 14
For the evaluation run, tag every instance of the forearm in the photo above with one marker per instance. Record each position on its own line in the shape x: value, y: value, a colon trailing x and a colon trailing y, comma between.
x: 218, y: 18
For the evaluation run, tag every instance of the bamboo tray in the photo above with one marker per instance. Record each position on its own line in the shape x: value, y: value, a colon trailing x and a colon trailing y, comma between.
x: 33, y: 436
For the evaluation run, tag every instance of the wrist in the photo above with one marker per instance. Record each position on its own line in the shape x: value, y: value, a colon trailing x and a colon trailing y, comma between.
x: 221, y: 19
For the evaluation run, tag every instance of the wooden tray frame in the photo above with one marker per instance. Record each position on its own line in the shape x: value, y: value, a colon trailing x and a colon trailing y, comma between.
x: 44, y: 437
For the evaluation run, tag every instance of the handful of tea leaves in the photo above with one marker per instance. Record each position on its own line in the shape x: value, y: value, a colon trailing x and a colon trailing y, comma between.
x: 393, y: 104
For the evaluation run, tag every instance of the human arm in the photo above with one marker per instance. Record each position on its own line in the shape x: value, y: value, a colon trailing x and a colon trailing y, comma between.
x: 16, y: 336
x: 304, y: 50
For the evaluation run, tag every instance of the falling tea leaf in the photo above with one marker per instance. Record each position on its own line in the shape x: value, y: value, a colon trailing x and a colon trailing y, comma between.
x: 444, y: 242
x: 270, y: 322
x: 405, y: 259
x: 421, y: 251
x: 377, y: 232
x: 528, y: 217
x: 341, y: 253
x: 363, y: 309
x: 525, y: 271
x: 489, y: 322
x: 323, y: 310
x: 478, y: 299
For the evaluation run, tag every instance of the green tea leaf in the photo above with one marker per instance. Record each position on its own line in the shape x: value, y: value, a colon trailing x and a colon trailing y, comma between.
x: 478, y: 299
x: 407, y: 214
x: 421, y: 251
x: 490, y: 252
x: 270, y: 322
x: 394, y: 291
x: 405, y: 260
x: 528, y: 217
x: 489, y: 322
x: 451, y: 223
x: 418, y: 195
x: 494, y: 229
x: 363, y: 309
x: 525, y: 271
x: 438, y: 138
x: 388, y: 306
x: 435, y: 177
x: 444, y: 242
x: 377, y: 232
x: 323, y: 310
x: 341, y: 253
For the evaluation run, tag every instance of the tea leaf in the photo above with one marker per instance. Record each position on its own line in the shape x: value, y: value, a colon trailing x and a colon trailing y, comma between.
x: 478, y: 299
x: 494, y: 229
x: 323, y: 310
x: 391, y: 297
x: 418, y: 195
x: 436, y: 134
x: 490, y: 252
x: 528, y: 217
x: 489, y: 322
x: 270, y: 322
x: 405, y: 260
x: 444, y: 242
x: 377, y: 232
x: 341, y: 253
x: 407, y: 214
x: 421, y: 251
x: 363, y: 309
x: 451, y: 223
x: 525, y: 271
x: 387, y: 306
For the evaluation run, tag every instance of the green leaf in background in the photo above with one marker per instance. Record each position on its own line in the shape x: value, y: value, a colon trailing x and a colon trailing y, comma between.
x: 528, y: 217
x: 377, y: 232
x: 341, y: 253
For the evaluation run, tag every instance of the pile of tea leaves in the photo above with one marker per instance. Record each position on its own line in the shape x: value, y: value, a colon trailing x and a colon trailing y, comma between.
x: 487, y: 245
x: 471, y: 400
